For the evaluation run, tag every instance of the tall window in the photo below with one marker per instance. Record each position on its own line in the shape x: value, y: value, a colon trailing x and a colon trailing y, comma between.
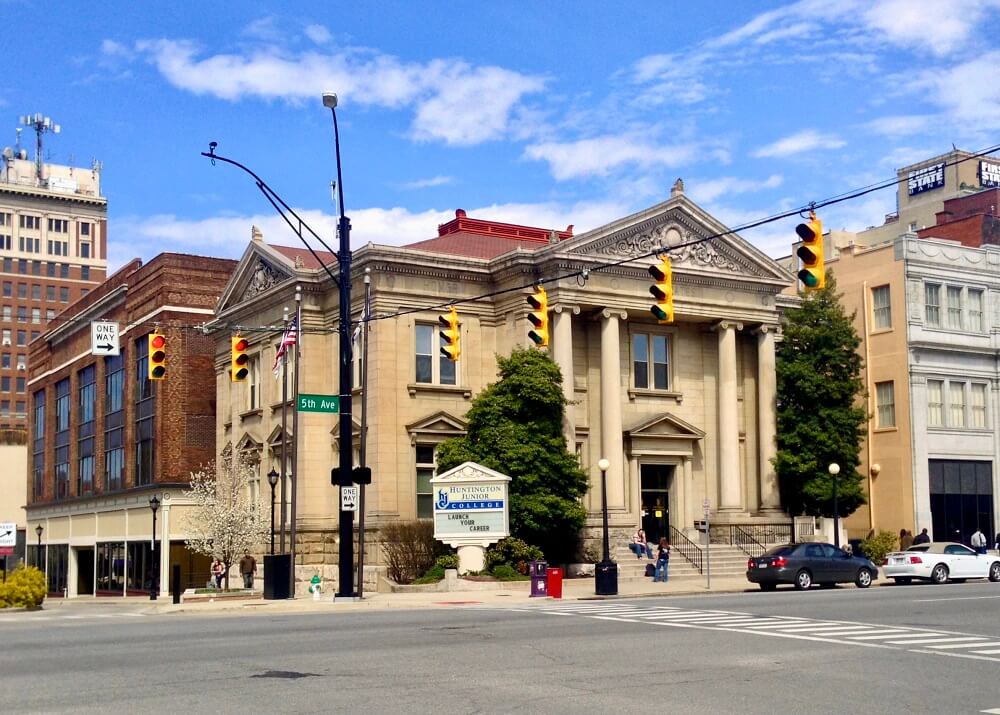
x: 114, y: 420
x: 38, y: 446
x: 885, y: 398
x: 975, y: 312
x: 977, y: 404
x: 954, y: 294
x: 253, y: 383
x: 651, y: 361
x: 882, y: 307
x: 87, y: 390
x: 62, y: 439
x: 935, y: 403
x: 956, y: 404
x: 428, y: 347
x: 145, y: 409
x: 426, y: 466
x: 932, y: 304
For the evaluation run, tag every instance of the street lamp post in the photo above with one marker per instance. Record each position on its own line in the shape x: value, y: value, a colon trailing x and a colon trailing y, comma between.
x: 834, y: 470
x: 154, y: 581
x: 606, y: 572
x: 345, y: 579
x: 272, y: 479
x: 38, y: 554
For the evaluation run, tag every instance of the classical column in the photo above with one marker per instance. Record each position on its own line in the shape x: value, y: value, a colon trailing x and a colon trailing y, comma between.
x: 611, y: 406
x: 767, y: 392
x: 562, y: 354
x: 730, y: 493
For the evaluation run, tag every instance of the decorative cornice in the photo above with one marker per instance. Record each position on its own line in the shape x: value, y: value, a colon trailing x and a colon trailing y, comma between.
x: 608, y: 313
x: 572, y: 309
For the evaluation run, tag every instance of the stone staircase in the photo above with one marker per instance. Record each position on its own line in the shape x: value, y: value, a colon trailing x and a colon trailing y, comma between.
x: 726, y: 560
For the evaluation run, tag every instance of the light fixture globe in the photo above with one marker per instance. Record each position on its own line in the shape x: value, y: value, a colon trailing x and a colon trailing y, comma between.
x: 603, y: 464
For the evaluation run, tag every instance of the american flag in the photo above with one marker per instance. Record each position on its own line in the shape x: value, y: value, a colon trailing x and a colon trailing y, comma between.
x: 288, y: 339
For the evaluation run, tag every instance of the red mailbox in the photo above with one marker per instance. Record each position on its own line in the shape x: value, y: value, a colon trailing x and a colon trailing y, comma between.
x: 554, y: 582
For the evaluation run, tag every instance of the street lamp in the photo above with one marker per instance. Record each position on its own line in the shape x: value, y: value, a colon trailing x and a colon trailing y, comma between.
x: 345, y: 580
x: 834, y: 470
x: 606, y: 572
x: 154, y: 585
x: 272, y: 479
x: 38, y: 553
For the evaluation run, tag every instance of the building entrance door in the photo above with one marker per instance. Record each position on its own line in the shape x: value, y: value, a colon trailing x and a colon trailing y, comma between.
x: 85, y: 571
x: 654, y: 495
x: 961, y: 499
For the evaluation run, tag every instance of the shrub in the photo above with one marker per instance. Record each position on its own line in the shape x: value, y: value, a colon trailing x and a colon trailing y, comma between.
x: 25, y: 588
x: 435, y: 574
x: 513, y: 552
x: 504, y: 572
x: 877, y: 547
x: 410, y: 549
x: 448, y: 561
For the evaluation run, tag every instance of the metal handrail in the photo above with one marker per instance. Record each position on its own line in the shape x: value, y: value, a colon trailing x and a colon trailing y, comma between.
x: 686, y: 548
x: 746, y: 543
x: 773, y: 533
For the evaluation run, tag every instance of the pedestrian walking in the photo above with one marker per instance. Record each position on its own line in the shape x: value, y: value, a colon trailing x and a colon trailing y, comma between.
x: 218, y: 571
x: 922, y: 538
x: 905, y: 539
x: 662, y: 561
x: 978, y: 541
x: 248, y: 568
x: 996, y: 542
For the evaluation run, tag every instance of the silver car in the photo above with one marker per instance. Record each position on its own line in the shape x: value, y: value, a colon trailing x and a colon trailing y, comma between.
x: 940, y: 562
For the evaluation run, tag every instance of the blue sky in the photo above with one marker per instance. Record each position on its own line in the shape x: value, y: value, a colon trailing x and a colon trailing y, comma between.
x: 546, y: 114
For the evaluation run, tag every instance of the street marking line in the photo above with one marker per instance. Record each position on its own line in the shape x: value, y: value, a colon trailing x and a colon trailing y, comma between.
x: 968, y: 656
x: 956, y: 598
x: 968, y: 645
x: 935, y: 639
x: 985, y: 652
x: 881, y: 636
x: 991, y: 711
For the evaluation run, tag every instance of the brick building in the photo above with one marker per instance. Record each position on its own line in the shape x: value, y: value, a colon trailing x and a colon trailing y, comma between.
x: 104, y: 439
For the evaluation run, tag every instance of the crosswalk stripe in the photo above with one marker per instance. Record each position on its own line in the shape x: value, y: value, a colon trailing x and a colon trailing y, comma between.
x: 928, y: 638
x: 987, y: 652
x: 949, y: 646
x: 881, y: 635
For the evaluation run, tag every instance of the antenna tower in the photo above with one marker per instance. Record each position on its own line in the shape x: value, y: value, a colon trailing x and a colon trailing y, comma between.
x: 41, y: 124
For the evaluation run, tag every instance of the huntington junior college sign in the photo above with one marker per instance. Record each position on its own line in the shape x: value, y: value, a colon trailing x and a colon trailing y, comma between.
x: 471, y: 511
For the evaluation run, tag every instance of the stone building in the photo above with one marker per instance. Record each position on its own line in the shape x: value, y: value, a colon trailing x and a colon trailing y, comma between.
x: 684, y: 412
x: 104, y: 438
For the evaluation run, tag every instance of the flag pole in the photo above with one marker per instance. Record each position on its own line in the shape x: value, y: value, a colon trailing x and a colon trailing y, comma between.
x: 284, y: 430
x: 295, y: 425
x: 365, y: 314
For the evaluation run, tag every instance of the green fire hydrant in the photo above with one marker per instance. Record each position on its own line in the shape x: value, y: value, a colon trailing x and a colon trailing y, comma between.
x: 315, y: 587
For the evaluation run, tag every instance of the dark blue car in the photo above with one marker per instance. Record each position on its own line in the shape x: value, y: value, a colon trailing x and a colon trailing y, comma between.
x: 802, y: 565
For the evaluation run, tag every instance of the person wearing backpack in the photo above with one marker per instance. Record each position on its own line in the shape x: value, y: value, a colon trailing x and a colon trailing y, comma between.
x: 662, y: 561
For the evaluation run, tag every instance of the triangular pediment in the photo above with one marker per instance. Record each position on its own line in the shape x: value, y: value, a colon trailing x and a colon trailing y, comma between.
x: 680, y: 225
x: 274, y: 439
x: 355, y: 428
x: 259, y: 270
x: 664, y: 425
x: 436, y: 426
x: 470, y: 472
x: 247, y: 443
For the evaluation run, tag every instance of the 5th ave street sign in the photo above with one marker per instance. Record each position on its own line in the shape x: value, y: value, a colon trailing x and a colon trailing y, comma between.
x: 318, y: 403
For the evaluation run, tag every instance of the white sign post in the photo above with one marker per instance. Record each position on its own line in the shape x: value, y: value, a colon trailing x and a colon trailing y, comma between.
x: 8, y: 540
x: 349, y: 498
x: 471, y: 511
x: 104, y: 338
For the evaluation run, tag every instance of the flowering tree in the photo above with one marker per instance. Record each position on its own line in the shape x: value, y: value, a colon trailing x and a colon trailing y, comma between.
x: 225, y: 522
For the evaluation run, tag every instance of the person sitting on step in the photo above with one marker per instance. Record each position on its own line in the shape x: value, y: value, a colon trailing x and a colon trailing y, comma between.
x: 640, y: 546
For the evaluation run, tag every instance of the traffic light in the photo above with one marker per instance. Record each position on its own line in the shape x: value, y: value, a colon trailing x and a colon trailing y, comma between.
x: 662, y: 290
x: 451, y: 335
x: 240, y: 361
x: 156, y: 362
x: 810, y: 253
x: 539, y: 317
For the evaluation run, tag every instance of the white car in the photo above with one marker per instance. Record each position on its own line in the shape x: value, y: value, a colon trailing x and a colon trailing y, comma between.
x: 940, y: 562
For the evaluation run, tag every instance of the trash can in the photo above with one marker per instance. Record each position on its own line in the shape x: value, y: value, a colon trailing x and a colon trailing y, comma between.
x: 538, y: 572
x: 554, y: 582
x: 277, y: 575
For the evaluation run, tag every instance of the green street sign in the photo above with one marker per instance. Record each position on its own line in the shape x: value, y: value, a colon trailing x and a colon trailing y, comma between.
x: 318, y: 403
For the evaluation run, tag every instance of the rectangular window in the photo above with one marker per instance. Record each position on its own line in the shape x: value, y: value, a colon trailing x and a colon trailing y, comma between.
x: 22, y: 362
x: 651, y: 361
x: 8, y: 265
x: 63, y: 294
x: 5, y: 241
x: 84, y: 229
x: 62, y: 405
x: 5, y: 384
x: 36, y: 291
x: 38, y: 445
x: 429, y: 370
x: 956, y: 404
x: 32, y: 222
x: 977, y: 403
x: 6, y: 337
x: 36, y: 268
x: 885, y: 398
x: 5, y: 219
x: 22, y: 290
x: 114, y: 384
x: 36, y: 315
x: 19, y: 384
x: 8, y: 313
x: 62, y: 438
x: 85, y: 271
x: 114, y: 431
x: 954, y: 294
x: 882, y: 308
x: 8, y: 289
x: 426, y: 466
x: 5, y: 361
x: 253, y: 383
x: 975, y: 313
x: 935, y: 403
x: 22, y: 266
x: 84, y: 250
x: 22, y: 338
x: 58, y: 225
x: 49, y: 314
x: 145, y: 409
x: 22, y: 314
x: 64, y: 270
x: 50, y: 293
x: 50, y: 269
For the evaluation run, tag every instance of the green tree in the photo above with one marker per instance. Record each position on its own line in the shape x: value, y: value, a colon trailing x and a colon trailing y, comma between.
x: 819, y: 417
x: 515, y: 427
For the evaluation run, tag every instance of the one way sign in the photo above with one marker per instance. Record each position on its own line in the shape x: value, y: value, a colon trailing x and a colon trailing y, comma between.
x: 8, y: 533
x: 104, y: 338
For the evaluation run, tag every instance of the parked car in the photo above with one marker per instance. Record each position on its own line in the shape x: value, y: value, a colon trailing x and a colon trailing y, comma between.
x: 939, y: 562
x: 805, y: 564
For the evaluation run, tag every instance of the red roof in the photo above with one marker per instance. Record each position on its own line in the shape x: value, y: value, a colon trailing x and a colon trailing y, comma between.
x: 477, y: 238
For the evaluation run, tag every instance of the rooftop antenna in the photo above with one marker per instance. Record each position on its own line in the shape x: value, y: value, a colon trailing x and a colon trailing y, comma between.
x: 41, y: 124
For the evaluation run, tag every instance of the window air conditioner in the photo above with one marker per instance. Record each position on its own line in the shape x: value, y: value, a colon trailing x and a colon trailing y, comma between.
x: 6, y: 341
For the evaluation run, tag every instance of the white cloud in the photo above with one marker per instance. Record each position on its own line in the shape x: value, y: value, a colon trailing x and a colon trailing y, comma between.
x: 805, y: 140
x: 964, y: 92
x: 711, y: 189
x: 900, y: 126
x: 428, y: 183
x: 318, y: 34
x: 454, y: 101
x: 941, y: 27
x: 602, y: 155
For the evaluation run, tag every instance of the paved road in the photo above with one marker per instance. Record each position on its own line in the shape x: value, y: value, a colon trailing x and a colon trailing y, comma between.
x: 891, y: 649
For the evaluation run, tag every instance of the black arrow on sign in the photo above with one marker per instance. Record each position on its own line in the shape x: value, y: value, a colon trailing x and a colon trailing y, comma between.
x: 8, y: 532
x: 109, y: 346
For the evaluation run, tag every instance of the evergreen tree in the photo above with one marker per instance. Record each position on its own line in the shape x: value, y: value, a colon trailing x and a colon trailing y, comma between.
x: 515, y: 427
x: 819, y: 418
